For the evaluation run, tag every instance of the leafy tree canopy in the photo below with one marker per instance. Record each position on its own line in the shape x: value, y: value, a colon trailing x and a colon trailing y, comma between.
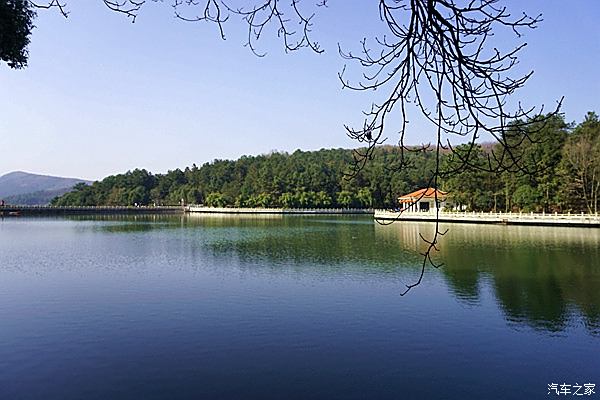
x: 558, y: 171
x: 16, y: 24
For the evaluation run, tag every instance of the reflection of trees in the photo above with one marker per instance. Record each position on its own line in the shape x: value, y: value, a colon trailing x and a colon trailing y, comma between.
x: 464, y: 282
x: 311, y: 240
x: 528, y: 289
x: 540, y: 276
x: 335, y: 244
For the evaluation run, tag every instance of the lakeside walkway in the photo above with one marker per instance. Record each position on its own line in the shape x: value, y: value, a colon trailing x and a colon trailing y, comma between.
x: 87, y: 210
x: 574, y: 220
x: 304, y: 211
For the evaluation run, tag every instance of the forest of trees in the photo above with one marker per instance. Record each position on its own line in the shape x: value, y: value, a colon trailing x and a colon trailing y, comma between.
x: 301, y: 179
x: 558, y: 170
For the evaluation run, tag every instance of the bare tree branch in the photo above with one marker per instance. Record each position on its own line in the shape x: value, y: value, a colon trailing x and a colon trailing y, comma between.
x: 52, y: 4
x: 437, y: 60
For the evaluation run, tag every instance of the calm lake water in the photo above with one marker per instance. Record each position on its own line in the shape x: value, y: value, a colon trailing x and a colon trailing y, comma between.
x: 293, y: 307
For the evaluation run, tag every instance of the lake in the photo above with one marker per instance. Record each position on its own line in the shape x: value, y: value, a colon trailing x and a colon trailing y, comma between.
x: 225, y: 307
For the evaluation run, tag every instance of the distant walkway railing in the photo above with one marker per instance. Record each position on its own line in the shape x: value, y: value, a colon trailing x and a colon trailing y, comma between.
x: 509, y: 218
x: 260, y: 210
x: 54, y: 210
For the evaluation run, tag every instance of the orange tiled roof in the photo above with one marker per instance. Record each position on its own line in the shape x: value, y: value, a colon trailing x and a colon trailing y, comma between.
x: 426, y: 193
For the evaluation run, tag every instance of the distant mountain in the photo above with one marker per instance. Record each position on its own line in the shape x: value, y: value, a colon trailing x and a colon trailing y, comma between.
x: 32, y: 189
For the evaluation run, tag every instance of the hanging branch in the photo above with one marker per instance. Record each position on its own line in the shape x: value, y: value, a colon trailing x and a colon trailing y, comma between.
x: 260, y: 16
x: 128, y: 7
x: 437, y: 60
x: 61, y: 7
x: 444, y: 41
x: 285, y: 16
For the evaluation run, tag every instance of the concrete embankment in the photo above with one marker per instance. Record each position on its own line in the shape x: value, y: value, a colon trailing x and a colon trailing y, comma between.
x: 574, y: 220
x: 88, y: 210
x: 304, y: 211
x: 110, y: 210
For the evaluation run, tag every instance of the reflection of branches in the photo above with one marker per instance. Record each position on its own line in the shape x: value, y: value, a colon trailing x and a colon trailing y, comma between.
x: 430, y: 242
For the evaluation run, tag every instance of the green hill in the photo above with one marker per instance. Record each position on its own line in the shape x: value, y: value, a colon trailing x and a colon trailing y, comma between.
x: 301, y: 179
x: 554, y: 168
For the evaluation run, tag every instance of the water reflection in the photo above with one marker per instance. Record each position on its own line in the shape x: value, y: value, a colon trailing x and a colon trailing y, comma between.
x: 329, y: 245
x: 542, y: 277
x: 547, y: 278
x: 210, y: 307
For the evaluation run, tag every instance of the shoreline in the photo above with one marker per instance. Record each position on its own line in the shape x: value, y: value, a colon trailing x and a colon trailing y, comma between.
x: 531, y: 219
x: 293, y: 211
x: 16, y: 211
x: 489, y: 218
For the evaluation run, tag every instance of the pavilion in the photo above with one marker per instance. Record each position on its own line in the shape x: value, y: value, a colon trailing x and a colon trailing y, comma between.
x: 423, y: 200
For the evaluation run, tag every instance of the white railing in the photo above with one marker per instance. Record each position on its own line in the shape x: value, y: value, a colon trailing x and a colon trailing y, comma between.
x: 492, y: 217
x: 266, y: 210
x: 39, y: 207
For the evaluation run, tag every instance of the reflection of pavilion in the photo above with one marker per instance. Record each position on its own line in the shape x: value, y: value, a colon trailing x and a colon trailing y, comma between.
x: 407, y: 234
x: 546, y: 278
x: 427, y: 199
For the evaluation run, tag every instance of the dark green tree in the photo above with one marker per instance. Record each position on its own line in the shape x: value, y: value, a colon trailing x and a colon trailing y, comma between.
x: 216, y: 199
x: 580, y: 167
x: 16, y: 24
x: 364, y: 197
x: 322, y: 199
x: 287, y: 200
x: 534, y: 179
x: 345, y: 198
x: 471, y: 186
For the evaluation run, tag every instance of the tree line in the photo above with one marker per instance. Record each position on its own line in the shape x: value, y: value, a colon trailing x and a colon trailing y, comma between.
x: 558, y: 170
x: 300, y: 179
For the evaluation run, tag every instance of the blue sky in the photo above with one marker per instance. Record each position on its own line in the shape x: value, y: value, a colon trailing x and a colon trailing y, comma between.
x: 102, y: 95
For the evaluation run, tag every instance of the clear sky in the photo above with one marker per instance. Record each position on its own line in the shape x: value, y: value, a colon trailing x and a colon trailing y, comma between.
x: 101, y: 95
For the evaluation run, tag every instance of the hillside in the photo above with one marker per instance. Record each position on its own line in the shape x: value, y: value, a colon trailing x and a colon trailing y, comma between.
x: 543, y: 173
x: 300, y: 179
x: 31, y: 189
